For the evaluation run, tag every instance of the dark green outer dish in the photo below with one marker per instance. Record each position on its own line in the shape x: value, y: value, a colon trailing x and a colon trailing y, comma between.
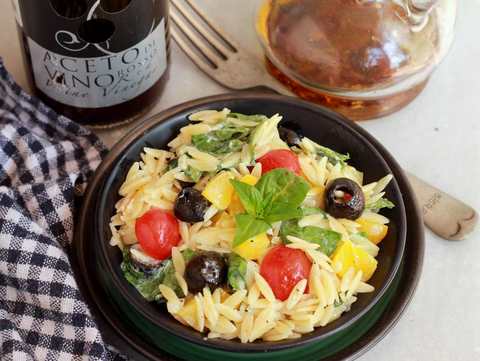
x: 143, y: 337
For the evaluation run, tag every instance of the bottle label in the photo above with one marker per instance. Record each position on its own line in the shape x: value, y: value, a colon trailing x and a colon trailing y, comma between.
x: 94, y: 53
x: 100, y: 81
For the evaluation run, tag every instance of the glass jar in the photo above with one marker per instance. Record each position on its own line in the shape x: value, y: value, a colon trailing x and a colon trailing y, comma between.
x: 363, y: 58
x: 99, y: 62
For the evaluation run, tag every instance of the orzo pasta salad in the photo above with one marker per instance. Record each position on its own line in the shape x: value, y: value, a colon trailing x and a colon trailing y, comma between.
x: 247, y: 230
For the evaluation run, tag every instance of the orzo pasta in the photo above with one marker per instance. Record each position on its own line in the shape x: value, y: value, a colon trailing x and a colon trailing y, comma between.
x: 248, y: 231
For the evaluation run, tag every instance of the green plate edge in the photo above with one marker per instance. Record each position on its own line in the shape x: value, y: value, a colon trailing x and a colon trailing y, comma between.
x: 189, y: 351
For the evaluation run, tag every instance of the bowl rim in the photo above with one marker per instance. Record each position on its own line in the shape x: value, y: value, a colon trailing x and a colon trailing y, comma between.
x: 180, y: 330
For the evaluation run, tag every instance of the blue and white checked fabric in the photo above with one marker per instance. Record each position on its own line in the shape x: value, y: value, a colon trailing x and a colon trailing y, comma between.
x: 43, y: 157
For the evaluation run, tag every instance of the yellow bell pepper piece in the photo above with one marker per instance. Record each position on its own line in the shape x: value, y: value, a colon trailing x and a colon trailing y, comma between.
x: 364, y: 262
x: 254, y: 248
x: 347, y: 255
x: 235, y: 206
x: 188, y: 312
x: 320, y: 196
x: 219, y: 190
x: 249, y: 179
x: 342, y: 258
x: 375, y: 232
x: 224, y: 220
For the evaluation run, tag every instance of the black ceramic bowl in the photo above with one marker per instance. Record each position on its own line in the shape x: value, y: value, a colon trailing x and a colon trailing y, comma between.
x: 319, y: 124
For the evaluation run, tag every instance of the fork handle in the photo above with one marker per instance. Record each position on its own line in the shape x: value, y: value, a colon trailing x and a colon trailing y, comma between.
x: 445, y: 215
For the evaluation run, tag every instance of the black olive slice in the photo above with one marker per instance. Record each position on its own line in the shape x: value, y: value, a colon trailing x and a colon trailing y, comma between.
x: 207, y: 269
x: 289, y: 136
x: 141, y: 261
x: 344, y: 199
x: 190, y: 206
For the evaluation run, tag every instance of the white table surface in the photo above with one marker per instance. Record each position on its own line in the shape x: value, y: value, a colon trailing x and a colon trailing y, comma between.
x: 436, y: 137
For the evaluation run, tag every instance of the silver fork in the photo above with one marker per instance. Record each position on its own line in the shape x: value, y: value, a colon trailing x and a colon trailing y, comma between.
x: 219, y: 56
x: 214, y: 52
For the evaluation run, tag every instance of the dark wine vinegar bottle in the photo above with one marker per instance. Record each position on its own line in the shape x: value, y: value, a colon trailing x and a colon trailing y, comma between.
x: 98, y: 62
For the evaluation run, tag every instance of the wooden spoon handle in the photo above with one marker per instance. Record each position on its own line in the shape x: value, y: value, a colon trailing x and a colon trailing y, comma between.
x: 446, y: 216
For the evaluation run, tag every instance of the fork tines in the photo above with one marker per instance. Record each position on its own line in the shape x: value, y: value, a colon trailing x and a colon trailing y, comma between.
x: 204, y: 42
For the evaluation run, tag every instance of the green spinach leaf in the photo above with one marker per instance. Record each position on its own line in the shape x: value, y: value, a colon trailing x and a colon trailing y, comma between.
x: 380, y: 204
x: 229, y: 132
x: 308, y: 211
x: 146, y: 285
x: 188, y: 254
x: 248, y: 227
x: 333, y: 157
x: 169, y: 279
x: 193, y: 173
x: 326, y: 239
x: 237, y: 272
x: 253, y: 118
x: 172, y: 164
x: 221, y: 141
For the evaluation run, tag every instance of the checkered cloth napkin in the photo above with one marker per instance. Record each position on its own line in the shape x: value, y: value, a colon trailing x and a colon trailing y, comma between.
x: 43, y: 156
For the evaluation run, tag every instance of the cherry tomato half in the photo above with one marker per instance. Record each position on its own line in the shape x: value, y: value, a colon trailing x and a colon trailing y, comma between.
x: 280, y: 158
x: 283, y: 268
x: 157, y: 232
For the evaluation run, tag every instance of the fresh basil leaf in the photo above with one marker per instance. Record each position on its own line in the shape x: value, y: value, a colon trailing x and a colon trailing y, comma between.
x: 276, y: 197
x: 249, y: 196
x: 248, y: 227
x: 283, y: 214
x: 193, y: 173
x: 380, y: 204
x: 281, y: 191
x: 326, y: 239
x: 237, y: 272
